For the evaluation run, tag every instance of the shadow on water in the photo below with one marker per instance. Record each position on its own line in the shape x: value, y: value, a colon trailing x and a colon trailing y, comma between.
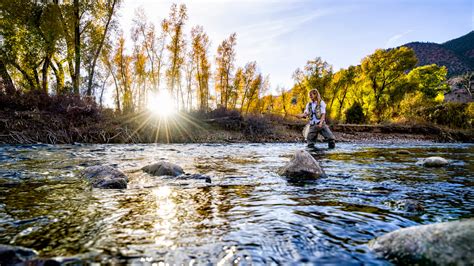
x: 247, y: 214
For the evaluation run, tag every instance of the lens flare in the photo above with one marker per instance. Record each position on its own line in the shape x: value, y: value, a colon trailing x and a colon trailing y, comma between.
x: 161, y: 104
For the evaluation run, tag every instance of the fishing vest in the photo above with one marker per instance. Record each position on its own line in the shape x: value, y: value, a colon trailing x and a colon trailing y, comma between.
x: 314, y: 113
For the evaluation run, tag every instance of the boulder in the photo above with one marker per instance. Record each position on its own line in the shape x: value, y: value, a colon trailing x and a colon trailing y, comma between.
x: 434, y: 161
x: 163, y: 168
x: 12, y: 255
x: 449, y: 243
x: 302, y: 165
x: 105, y: 177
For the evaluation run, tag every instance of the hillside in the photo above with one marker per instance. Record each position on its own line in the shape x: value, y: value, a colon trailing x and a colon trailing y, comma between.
x: 463, y: 46
x: 457, y: 54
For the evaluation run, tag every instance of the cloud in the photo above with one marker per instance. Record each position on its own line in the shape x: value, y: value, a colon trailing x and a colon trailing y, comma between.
x: 393, y: 40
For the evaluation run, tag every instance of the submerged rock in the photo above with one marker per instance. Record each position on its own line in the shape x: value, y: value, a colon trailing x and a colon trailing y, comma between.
x: 11, y: 255
x: 403, y: 152
x: 449, y: 243
x: 434, y: 161
x: 105, y: 177
x: 206, y: 178
x: 302, y: 165
x: 409, y: 206
x: 163, y: 168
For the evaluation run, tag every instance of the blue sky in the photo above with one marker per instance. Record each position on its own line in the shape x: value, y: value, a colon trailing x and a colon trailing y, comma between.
x: 283, y: 35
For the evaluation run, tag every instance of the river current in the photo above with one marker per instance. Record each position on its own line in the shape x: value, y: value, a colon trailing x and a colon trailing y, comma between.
x: 248, y: 214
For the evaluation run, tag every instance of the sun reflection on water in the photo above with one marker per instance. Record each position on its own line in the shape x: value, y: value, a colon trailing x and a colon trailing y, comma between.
x: 166, y: 214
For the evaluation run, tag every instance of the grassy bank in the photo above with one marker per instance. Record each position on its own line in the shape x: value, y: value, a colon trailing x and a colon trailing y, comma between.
x: 67, y: 119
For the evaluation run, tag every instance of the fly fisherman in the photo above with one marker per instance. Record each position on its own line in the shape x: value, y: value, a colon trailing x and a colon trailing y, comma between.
x: 316, y: 111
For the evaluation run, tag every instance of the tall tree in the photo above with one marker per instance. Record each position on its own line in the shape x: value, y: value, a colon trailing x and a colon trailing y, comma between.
x: 176, y: 22
x: 104, y: 12
x: 124, y: 75
x: 382, y: 70
x: 200, y: 45
x: 225, y: 59
x: 249, y: 73
x: 144, y: 34
x: 429, y: 79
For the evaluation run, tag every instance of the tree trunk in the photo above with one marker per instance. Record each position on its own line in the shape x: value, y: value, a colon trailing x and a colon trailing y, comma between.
x: 59, y: 73
x: 97, y: 53
x: 44, y: 73
x: 6, y: 80
x: 77, y: 48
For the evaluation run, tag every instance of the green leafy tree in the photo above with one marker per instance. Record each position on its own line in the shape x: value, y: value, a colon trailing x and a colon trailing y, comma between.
x: 382, y: 70
x: 429, y: 79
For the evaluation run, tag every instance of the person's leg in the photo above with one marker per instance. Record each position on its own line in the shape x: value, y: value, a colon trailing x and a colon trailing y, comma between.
x: 328, y: 136
x: 312, y: 135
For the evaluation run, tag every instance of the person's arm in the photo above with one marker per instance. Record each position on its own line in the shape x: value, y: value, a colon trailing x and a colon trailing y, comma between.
x: 305, y: 114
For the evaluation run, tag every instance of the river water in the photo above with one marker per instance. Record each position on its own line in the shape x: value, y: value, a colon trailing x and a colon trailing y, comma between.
x: 248, y: 214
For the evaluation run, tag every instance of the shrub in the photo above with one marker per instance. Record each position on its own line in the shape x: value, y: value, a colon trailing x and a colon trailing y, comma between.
x: 457, y: 115
x: 73, y: 106
x: 256, y: 125
x: 355, y: 114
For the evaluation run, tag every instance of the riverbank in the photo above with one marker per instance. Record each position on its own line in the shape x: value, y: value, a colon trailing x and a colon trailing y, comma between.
x: 88, y: 126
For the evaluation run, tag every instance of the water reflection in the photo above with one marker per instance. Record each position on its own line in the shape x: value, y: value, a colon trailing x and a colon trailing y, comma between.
x: 248, y: 214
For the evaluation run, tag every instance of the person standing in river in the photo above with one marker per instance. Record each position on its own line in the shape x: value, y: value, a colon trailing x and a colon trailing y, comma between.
x: 316, y: 111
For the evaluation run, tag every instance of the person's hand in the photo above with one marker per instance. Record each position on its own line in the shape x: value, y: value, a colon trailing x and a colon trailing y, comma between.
x: 320, y: 124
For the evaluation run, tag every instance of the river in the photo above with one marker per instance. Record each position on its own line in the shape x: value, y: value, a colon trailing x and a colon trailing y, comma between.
x: 248, y: 214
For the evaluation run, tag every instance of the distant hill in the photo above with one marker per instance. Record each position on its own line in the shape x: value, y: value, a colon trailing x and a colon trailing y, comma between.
x: 463, y: 46
x: 457, y: 54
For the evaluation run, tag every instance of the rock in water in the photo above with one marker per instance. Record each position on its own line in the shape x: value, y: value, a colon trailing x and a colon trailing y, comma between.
x: 105, y: 177
x: 402, y: 152
x: 433, y: 161
x: 206, y: 178
x: 302, y: 165
x: 12, y: 255
x: 450, y: 243
x: 163, y: 168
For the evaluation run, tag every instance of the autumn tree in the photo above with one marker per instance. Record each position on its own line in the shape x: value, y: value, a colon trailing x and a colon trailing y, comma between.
x: 175, y: 29
x: 237, y: 88
x: 225, y: 59
x: 342, y: 82
x: 382, y: 70
x: 124, y: 75
x: 144, y: 34
x: 248, y: 76
x: 200, y: 45
x: 98, y: 30
x: 429, y: 80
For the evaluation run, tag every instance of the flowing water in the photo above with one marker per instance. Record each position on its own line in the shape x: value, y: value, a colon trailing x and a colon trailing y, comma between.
x: 248, y: 214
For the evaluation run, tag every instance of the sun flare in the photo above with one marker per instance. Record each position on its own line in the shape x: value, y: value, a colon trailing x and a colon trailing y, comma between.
x: 161, y: 104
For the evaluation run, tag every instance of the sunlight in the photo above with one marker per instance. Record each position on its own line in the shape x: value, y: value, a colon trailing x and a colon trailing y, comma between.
x: 161, y: 104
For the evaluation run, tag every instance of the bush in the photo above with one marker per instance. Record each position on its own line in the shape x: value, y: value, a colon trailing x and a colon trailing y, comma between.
x: 355, y: 114
x: 257, y: 125
x: 228, y: 119
x: 73, y: 106
x: 456, y: 115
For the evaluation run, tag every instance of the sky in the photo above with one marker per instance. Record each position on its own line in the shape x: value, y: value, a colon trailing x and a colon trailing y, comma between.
x: 282, y: 35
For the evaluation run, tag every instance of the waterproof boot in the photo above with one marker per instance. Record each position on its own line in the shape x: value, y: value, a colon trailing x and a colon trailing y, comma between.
x: 332, y: 144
